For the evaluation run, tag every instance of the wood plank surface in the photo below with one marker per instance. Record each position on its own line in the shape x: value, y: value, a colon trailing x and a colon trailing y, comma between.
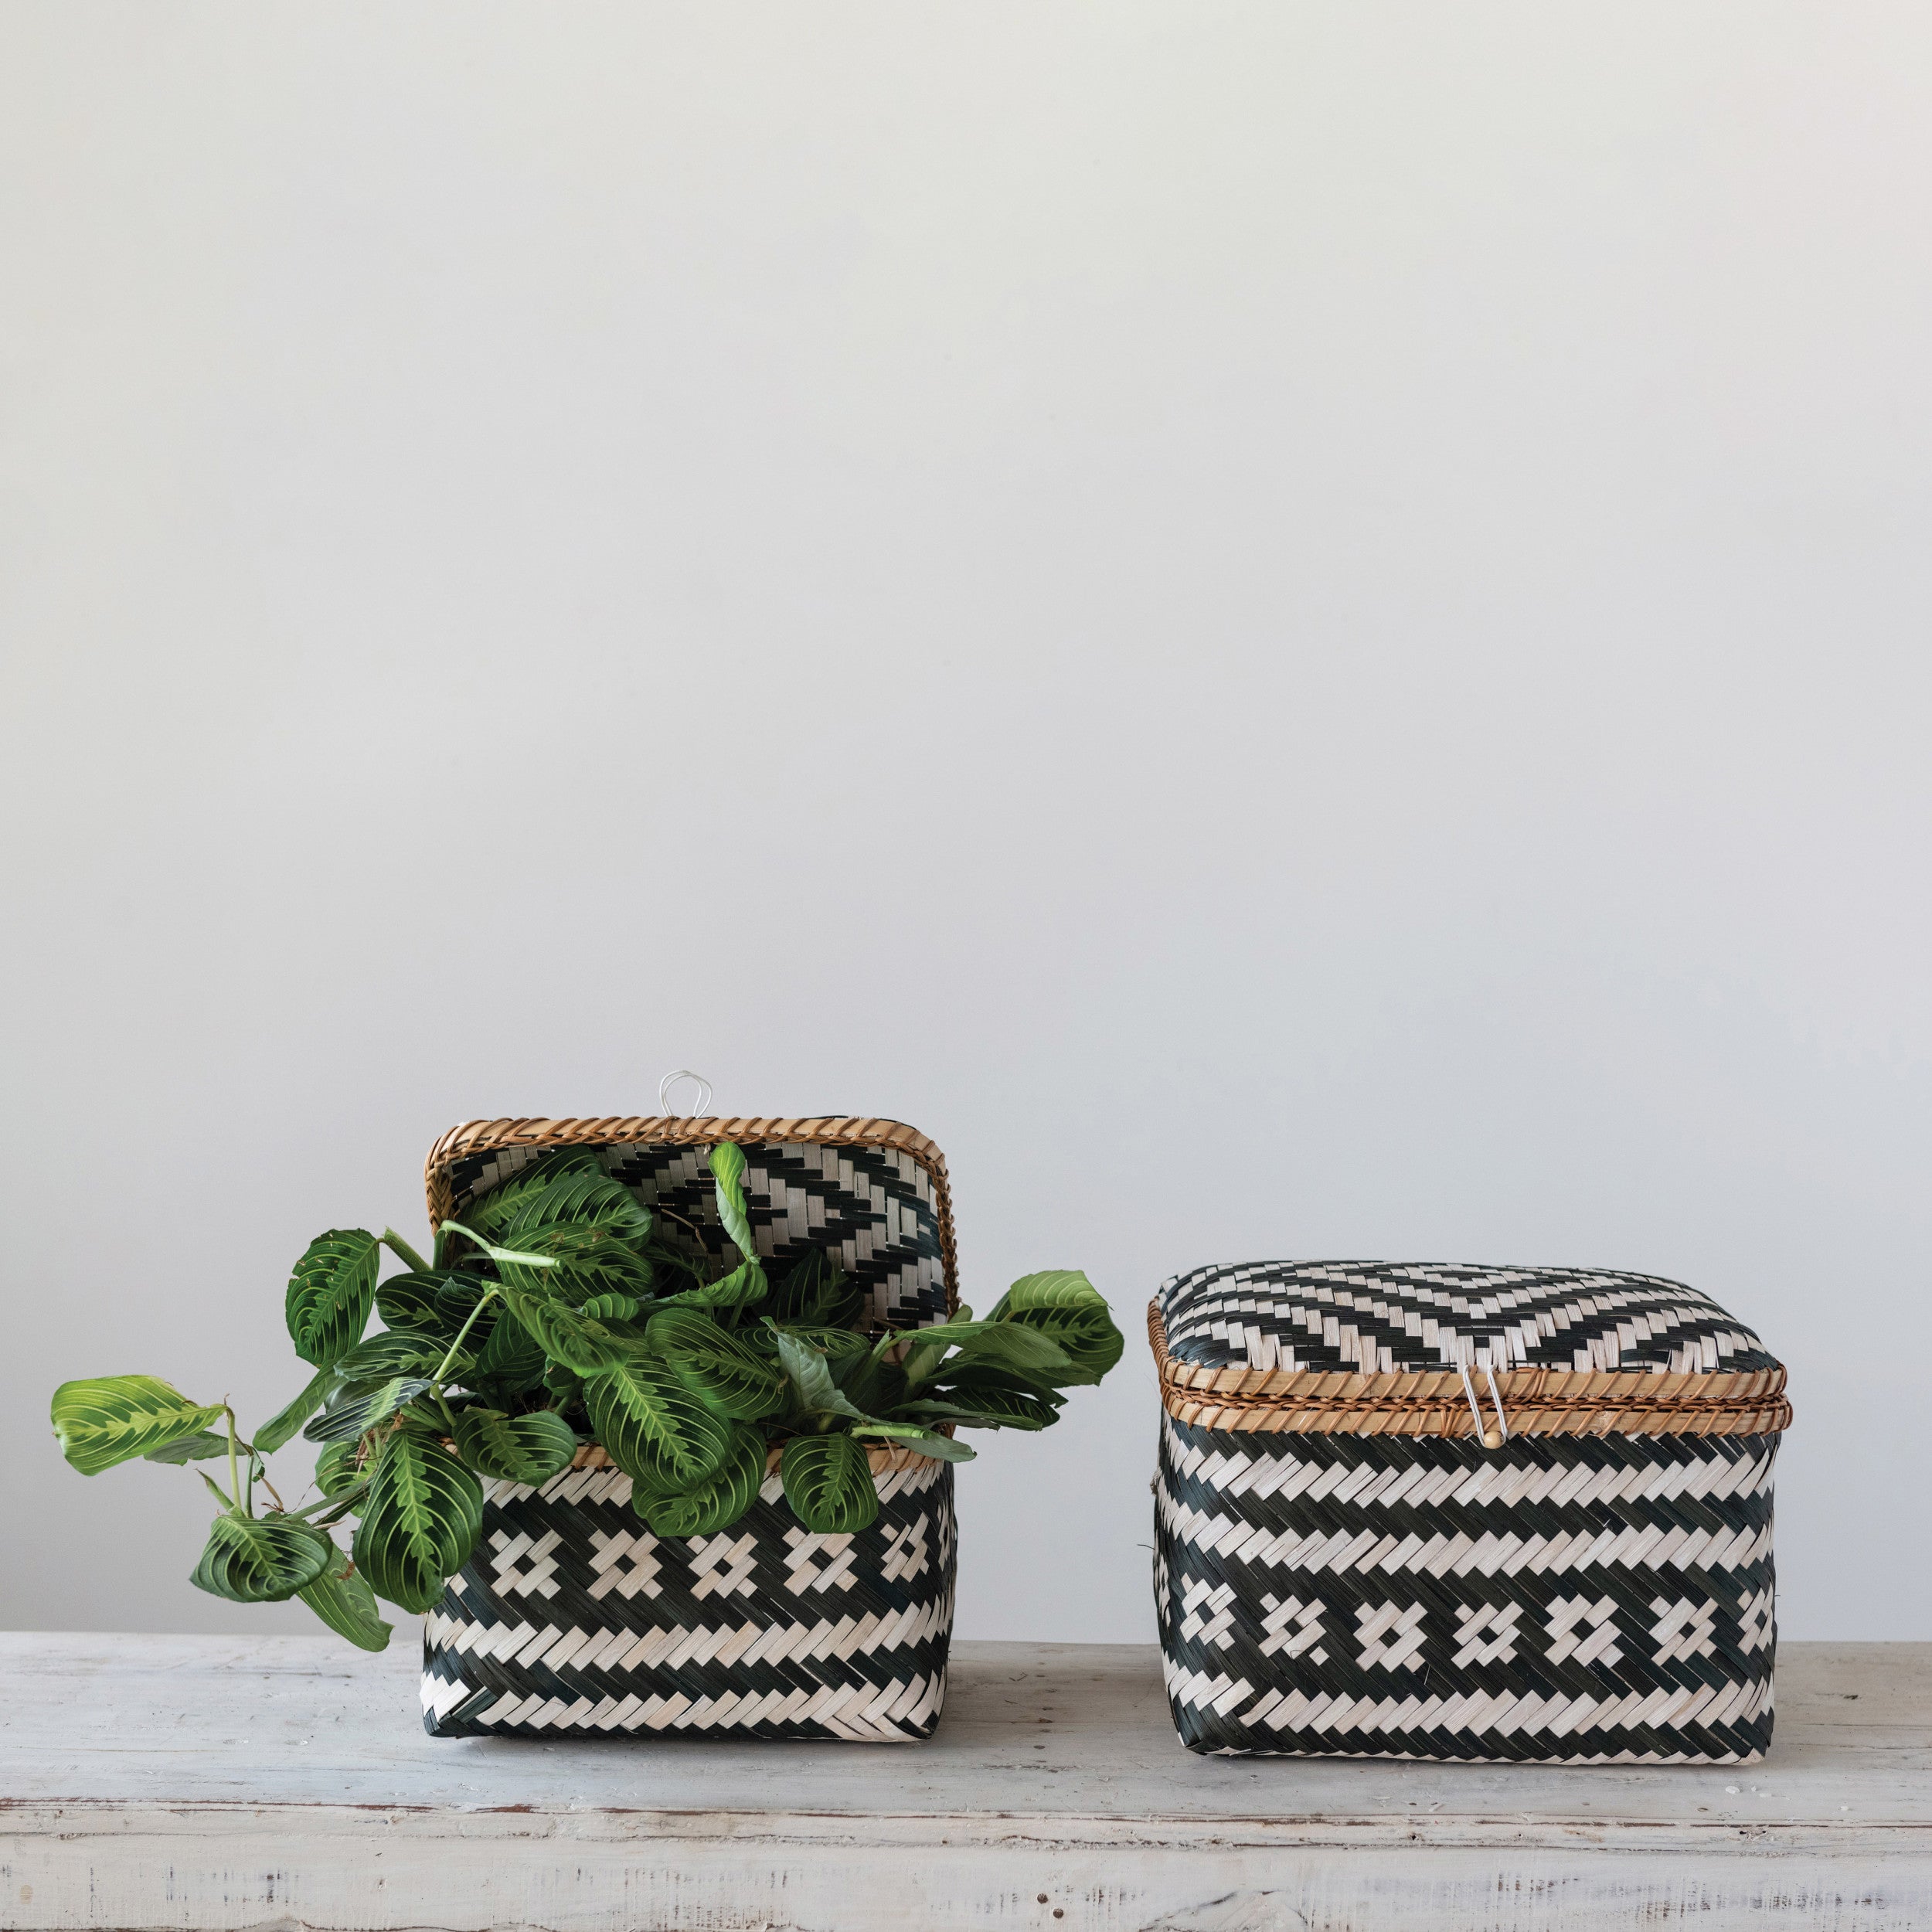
x: 282, y: 1782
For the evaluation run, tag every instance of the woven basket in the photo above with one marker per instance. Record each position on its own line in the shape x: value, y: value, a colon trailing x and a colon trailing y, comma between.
x: 1460, y: 1512
x: 573, y: 1619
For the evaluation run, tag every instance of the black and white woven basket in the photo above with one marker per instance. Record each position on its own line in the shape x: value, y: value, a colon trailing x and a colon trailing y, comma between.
x: 573, y: 1619
x: 1463, y: 1512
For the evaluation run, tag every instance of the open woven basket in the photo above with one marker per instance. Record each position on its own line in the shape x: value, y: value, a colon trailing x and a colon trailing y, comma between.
x: 573, y: 1619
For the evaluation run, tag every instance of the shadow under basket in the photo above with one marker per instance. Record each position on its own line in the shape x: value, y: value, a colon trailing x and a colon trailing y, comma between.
x: 573, y: 1619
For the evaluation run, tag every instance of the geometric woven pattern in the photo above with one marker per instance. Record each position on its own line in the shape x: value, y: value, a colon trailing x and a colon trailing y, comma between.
x: 872, y: 1208
x: 1575, y: 1599
x: 1380, y: 1318
x: 571, y: 1618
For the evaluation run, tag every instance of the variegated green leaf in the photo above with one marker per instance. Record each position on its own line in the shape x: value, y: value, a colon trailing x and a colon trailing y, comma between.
x: 656, y: 1430
x: 731, y: 1377
x: 718, y: 1501
x: 360, y: 1414
x: 203, y: 1446
x: 530, y: 1448
x: 828, y: 1483
x: 281, y: 1428
x: 112, y: 1419
x: 1063, y: 1305
x: 343, y: 1600
x: 743, y: 1286
x: 330, y: 1293
x: 261, y: 1560
x: 727, y: 1178
x: 422, y: 1519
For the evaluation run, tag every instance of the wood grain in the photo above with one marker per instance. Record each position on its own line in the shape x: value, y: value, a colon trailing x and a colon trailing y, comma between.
x: 190, y: 1782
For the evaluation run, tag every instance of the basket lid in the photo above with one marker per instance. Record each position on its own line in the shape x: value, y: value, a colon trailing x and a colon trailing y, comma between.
x: 1422, y: 1348
x: 873, y: 1192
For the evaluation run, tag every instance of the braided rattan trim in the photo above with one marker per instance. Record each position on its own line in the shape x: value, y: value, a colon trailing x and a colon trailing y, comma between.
x: 883, y: 1461
x: 1537, y: 1402
x: 686, y: 1130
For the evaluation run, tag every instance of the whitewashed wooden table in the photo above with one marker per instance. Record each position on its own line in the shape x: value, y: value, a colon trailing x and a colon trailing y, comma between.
x: 250, y: 1784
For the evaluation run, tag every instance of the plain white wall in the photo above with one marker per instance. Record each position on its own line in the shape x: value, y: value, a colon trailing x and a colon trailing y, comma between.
x: 1299, y: 629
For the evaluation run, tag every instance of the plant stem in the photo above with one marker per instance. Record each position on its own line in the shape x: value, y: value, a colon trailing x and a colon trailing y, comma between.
x: 328, y: 1503
x: 483, y: 1300
x: 403, y: 1252
x: 234, y: 1464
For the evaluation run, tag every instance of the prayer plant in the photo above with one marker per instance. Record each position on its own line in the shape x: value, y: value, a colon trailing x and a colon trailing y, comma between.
x: 562, y: 1312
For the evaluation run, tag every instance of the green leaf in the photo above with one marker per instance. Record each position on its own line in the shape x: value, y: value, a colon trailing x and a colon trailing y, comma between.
x: 360, y: 1414
x: 492, y: 1213
x: 281, y: 1427
x: 203, y: 1446
x: 344, y: 1602
x: 986, y: 1406
x: 429, y: 1300
x: 718, y: 1501
x: 578, y: 1193
x: 112, y: 1419
x: 810, y: 1378
x: 727, y: 1176
x: 1008, y: 1346
x: 591, y: 1262
x: 710, y: 1360
x: 611, y: 1308
x: 400, y: 1352
x: 424, y: 1513
x: 330, y: 1293
x: 743, y: 1285
x: 1062, y: 1304
x: 816, y: 1292
x: 337, y: 1468
x: 828, y: 1483
x: 840, y: 1346
x: 658, y: 1431
x: 511, y: 1355
x: 940, y: 1448
x: 579, y: 1341
x: 263, y: 1559
x: 411, y: 1300
x: 529, y: 1449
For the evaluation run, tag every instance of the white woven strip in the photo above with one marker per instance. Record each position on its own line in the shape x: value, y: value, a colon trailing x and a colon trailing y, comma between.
x: 1283, y: 1474
x: 1650, y: 1546
x: 625, y: 1649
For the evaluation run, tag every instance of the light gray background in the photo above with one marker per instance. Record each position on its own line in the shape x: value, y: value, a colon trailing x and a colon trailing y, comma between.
x: 1299, y: 629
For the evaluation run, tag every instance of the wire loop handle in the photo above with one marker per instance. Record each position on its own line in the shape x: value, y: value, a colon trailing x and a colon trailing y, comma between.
x: 671, y: 1080
x: 1491, y: 1436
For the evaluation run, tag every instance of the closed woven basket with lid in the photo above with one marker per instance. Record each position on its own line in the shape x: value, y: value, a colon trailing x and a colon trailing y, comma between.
x: 1433, y: 1511
x: 572, y: 1619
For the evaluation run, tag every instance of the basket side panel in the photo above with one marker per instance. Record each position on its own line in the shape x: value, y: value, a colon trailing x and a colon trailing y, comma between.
x: 1592, y: 1600
x: 572, y: 1619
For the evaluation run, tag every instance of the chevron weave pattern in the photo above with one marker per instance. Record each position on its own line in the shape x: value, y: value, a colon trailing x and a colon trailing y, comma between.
x: 1382, y: 1317
x: 573, y: 1619
x: 1602, y: 1598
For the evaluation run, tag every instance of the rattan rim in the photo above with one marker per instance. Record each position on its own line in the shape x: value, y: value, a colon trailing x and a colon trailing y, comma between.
x: 1537, y: 1402
x: 687, y: 1130
x: 885, y: 1462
